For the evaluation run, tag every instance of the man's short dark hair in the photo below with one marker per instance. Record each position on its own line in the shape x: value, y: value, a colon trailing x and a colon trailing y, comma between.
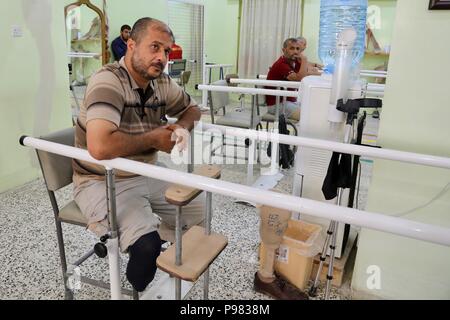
x: 125, y: 27
x: 140, y: 27
x: 287, y: 41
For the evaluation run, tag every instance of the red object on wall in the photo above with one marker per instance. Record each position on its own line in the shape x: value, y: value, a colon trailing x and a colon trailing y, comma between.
x: 176, y: 53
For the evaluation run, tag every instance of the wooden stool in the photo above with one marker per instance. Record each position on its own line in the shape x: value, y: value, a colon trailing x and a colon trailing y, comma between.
x: 193, y: 252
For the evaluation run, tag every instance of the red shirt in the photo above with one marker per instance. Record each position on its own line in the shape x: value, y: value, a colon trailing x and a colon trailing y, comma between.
x: 280, y: 71
x: 176, y: 53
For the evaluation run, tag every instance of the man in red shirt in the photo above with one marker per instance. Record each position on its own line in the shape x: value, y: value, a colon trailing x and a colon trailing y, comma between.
x: 291, y: 66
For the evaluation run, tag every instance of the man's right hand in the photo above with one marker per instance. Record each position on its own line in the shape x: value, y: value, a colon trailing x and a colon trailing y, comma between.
x: 162, y: 138
x: 313, y: 71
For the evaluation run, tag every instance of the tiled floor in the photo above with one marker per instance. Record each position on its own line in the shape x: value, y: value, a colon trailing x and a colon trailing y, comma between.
x: 29, y: 253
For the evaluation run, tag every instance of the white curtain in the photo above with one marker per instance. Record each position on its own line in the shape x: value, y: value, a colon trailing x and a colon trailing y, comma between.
x: 187, y: 23
x: 197, y: 45
x: 265, y: 24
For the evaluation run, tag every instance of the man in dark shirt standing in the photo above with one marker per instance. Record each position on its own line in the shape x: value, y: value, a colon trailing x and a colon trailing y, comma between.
x: 119, y: 45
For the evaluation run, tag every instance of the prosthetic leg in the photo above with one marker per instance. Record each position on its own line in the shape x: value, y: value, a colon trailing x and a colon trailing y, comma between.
x: 274, y: 223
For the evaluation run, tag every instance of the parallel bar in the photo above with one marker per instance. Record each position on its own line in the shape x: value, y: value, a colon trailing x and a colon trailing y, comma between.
x: 191, y: 153
x: 113, y: 242
x: 269, y: 83
x: 374, y: 71
x: 279, y: 93
x: 388, y: 154
x: 371, y: 87
x: 178, y: 251
x: 274, y: 163
x: 178, y: 234
x: 111, y: 204
x: 213, y: 66
x: 375, y: 87
x: 294, y: 84
x: 114, y: 268
x: 208, y: 216
x: 208, y: 232
x: 375, y: 221
x: 375, y: 75
x: 378, y: 94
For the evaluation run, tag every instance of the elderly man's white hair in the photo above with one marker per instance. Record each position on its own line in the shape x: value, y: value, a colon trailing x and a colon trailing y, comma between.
x: 300, y: 38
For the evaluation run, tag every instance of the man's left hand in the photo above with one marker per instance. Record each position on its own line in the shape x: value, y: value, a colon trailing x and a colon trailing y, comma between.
x: 180, y: 135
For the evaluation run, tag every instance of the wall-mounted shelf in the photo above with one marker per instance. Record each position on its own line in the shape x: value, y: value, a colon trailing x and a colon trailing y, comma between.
x: 100, y: 39
x: 84, y: 40
x: 84, y: 55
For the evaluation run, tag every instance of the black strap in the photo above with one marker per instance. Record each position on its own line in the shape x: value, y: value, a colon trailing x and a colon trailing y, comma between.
x: 353, y: 105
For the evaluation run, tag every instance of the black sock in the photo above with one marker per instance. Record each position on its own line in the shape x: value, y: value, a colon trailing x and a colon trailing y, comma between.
x: 141, y: 267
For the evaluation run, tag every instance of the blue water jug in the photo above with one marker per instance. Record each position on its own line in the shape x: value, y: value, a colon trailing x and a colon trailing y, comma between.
x: 335, y: 16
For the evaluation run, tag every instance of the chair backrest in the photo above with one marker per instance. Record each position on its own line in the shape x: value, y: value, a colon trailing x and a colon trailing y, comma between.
x: 185, y: 76
x: 57, y: 170
x: 219, y: 99
x: 176, y: 67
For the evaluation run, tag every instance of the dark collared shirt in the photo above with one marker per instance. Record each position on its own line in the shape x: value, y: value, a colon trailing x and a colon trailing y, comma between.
x: 119, y: 48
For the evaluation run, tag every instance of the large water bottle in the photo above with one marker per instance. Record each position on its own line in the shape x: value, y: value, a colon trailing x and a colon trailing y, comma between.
x: 335, y: 16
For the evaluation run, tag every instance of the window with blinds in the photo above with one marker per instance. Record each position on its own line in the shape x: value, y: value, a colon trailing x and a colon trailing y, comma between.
x: 187, y: 23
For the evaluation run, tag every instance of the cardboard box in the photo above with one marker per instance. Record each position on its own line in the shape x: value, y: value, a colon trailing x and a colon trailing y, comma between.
x: 295, y: 256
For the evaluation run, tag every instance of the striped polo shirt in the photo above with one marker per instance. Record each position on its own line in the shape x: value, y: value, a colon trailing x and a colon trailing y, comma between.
x: 113, y: 95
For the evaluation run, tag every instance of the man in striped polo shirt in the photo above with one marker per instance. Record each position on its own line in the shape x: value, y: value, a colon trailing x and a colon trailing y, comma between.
x: 123, y: 116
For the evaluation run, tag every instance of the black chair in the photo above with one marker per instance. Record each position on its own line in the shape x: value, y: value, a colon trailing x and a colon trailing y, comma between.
x: 176, y: 67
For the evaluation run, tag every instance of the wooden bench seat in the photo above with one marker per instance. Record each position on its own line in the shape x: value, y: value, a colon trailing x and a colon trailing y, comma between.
x: 180, y: 195
x: 199, y: 251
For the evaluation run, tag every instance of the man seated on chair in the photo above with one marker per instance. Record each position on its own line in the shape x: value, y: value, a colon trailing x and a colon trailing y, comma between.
x: 123, y: 116
x: 293, y: 65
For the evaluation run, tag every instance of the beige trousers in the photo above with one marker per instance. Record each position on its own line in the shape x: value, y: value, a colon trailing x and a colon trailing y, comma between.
x: 140, y: 205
